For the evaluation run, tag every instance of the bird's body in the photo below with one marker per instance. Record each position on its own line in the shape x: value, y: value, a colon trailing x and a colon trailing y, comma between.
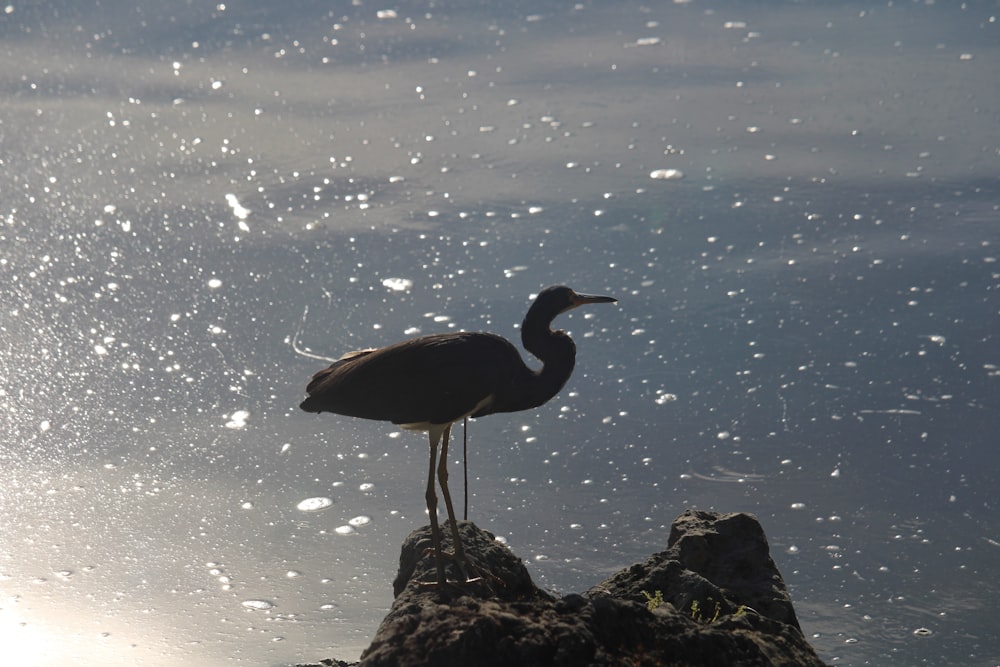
x: 435, y: 379
x: 430, y: 382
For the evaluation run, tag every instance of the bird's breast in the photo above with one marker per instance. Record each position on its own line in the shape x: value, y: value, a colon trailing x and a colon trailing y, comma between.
x: 482, y: 407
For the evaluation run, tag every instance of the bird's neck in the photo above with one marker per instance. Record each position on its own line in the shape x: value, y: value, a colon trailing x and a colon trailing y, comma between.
x: 557, y: 353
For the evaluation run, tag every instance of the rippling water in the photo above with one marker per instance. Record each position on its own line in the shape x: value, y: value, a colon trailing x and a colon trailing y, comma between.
x: 795, y: 204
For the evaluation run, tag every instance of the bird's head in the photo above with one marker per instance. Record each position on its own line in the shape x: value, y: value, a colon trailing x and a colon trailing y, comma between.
x: 557, y: 299
x: 535, y: 332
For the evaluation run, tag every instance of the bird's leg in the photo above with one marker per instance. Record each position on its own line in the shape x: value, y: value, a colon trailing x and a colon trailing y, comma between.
x: 442, y: 473
x: 432, y: 510
x: 465, y: 465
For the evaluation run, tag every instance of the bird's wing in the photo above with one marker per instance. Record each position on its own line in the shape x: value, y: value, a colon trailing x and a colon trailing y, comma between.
x: 347, y: 356
x: 320, y: 376
x: 434, y: 379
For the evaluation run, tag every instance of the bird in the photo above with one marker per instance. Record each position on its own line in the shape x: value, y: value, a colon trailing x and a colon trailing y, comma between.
x: 429, y: 382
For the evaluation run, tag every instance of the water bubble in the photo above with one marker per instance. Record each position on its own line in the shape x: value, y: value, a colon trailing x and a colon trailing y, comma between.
x: 923, y: 632
x: 344, y: 530
x: 361, y: 520
x: 258, y: 605
x: 314, y: 504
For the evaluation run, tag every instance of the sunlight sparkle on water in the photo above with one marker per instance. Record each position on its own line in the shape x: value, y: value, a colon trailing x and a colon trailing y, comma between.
x: 238, y: 419
x: 666, y: 174
x: 238, y: 210
x: 398, y: 284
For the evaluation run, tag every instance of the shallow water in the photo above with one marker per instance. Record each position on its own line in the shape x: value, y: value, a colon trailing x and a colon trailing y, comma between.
x: 796, y: 206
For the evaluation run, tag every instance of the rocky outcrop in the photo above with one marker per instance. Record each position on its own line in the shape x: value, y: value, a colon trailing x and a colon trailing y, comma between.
x: 713, y: 597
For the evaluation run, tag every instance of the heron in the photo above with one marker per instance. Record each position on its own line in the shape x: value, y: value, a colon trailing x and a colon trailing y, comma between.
x: 430, y: 382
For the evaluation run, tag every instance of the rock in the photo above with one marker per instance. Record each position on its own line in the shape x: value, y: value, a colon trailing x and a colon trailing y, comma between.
x: 713, y: 597
x: 711, y: 560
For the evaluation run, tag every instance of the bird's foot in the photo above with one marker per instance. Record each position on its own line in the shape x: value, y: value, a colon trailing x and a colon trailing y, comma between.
x: 459, y: 562
x: 442, y: 584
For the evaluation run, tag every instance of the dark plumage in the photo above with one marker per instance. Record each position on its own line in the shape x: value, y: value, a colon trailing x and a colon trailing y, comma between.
x: 430, y: 382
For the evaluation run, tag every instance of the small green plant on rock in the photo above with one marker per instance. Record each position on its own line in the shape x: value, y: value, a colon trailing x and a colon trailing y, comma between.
x: 653, y: 601
x: 703, y: 617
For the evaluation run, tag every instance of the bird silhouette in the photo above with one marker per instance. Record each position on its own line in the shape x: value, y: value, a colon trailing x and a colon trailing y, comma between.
x: 430, y: 382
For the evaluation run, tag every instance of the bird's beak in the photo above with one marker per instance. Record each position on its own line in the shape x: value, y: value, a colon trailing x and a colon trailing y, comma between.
x: 583, y: 299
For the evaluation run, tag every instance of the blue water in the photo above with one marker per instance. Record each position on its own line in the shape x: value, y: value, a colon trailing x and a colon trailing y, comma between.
x: 200, y: 203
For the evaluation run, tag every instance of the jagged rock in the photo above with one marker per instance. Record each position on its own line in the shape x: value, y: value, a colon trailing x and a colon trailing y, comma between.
x: 711, y: 560
x: 713, y: 598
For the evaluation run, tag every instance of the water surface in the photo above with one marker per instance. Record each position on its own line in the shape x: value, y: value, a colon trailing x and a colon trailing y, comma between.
x: 795, y: 204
